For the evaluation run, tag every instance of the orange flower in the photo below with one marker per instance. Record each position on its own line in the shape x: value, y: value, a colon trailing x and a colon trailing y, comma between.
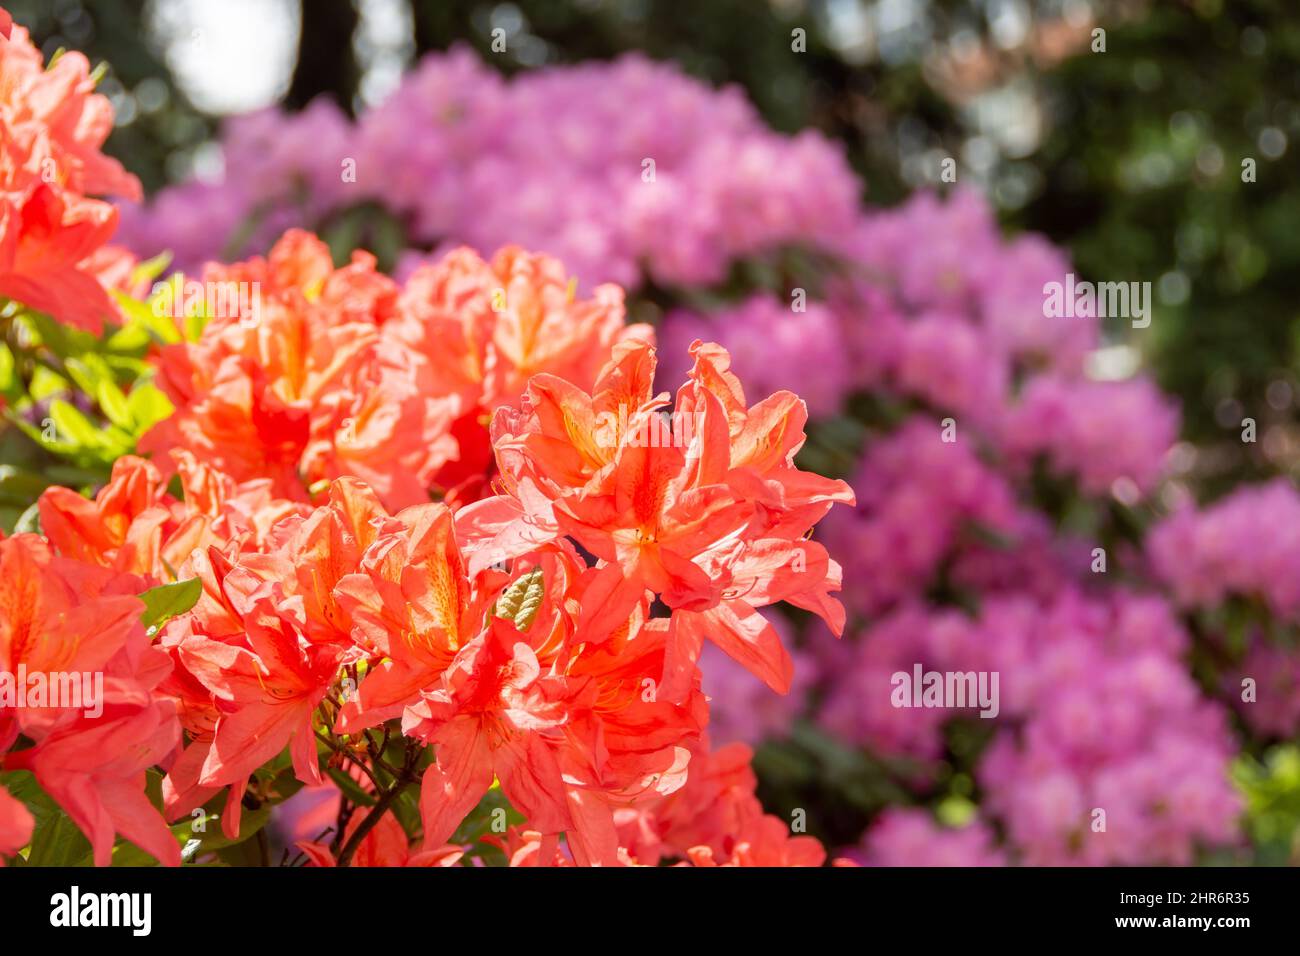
x: 134, y: 526
x: 514, y: 636
x: 486, y: 328
x: 121, y: 529
x: 571, y: 729
x: 45, y: 240
x: 52, y: 126
x: 252, y: 685
x: 716, y: 820
x: 707, y: 512
x: 58, y: 616
x: 293, y: 381
x: 385, y: 845
x: 413, y: 603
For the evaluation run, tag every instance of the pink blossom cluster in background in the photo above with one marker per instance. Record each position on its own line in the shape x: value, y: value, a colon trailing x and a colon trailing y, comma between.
x: 910, y: 837
x: 808, y: 343
x: 1096, y: 711
x: 918, y: 497
x: 1247, y: 544
x: 554, y: 159
x: 1102, y: 433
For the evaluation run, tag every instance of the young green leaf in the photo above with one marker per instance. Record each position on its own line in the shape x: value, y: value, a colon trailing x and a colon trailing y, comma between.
x: 520, y: 601
x: 164, y: 602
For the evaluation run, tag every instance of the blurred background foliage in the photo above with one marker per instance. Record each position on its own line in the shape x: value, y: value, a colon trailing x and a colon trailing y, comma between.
x: 1155, y: 140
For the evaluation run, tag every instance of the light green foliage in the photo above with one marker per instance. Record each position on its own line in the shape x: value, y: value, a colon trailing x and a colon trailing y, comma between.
x: 1272, y: 790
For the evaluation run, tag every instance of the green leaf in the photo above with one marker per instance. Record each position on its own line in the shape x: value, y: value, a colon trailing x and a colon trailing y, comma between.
x: 351, y: 789
x: 69, y: 422
x: 46, y: 383
x: 244, y: 853
x: 20, y: 486
x: 164, y: 602
x: 10, y: 385
x: 151, y: 269
x: 197, y: 843
x: 114, y: 404
x: 213, y: 838
x: 143, y: 316
x: 29, y: 522
x: 520, y: 601
x: 74, y: 477
x: 87, y: 372
x: 148, y: 406
x: 59, y: 843
x: 56, y: 840
x: 64, y: 341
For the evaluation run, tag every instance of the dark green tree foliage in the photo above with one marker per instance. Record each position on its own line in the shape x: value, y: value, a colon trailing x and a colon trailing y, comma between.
x: 1142, y: 177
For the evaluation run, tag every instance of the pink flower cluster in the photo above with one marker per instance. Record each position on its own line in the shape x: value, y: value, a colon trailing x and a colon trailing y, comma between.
x: 948, y: 256
x: 1102, y: 433
x: 1273, y: 672
x: 918, y: 498
x: 906, y: 836
x: 772, y: 345
x: 1096, y: 713
x: 620, y: 169
x: 1247, y: 544
x: 943, y: 311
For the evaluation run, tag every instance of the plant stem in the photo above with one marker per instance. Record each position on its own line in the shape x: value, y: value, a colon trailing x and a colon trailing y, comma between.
x: 372, y: 819
x: 330, y: 742
x: 407, y: 776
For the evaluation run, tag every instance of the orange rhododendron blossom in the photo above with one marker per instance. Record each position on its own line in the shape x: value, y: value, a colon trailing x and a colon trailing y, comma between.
x: 413, y: 603
x: 52, y: 235
x: 120, y: 529
x: 385, y: 845
x: 436, y: 550
x: 61, y: 617
x: 568, y: 743
x: 327, y: 373
x: 487, y: 327
x: 715, y: 820
x: 248, y: 683
x: 134, y: 526
x: 537, y: 646
x: 294, y: 382
x: 707, y: 512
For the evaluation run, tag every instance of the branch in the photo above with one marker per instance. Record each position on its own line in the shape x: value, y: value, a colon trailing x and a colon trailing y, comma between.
x: 407, y: 777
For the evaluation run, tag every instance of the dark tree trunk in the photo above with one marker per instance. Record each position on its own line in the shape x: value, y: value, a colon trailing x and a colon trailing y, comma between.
x: 326, y: 62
